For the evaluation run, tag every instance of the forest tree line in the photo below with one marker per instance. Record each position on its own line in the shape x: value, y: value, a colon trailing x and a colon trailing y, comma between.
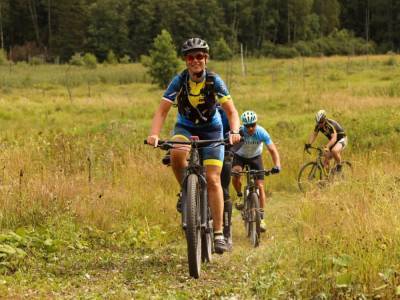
x: 60, y: 28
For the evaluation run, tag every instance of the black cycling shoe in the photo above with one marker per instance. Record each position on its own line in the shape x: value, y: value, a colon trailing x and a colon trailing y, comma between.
x: 179, y: 203
x: 220, y: 245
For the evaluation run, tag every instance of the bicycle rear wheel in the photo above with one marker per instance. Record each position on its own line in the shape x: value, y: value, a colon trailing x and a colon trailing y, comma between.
x: 193, y: 230
x: 310, y: 177
x: 254, y: 219
x: 345, y: 173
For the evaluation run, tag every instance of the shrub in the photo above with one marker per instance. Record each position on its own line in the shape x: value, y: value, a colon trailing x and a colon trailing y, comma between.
x: 76, y: 60
x: 163, y: 63
x: 36, y: 60
x: 303, y: 48
x: 90, y: 61
x: 391, y: 61
x: 267, y: 48
x: 126, y: 59
x: 3, y: 57
x: 285, y: 52
x: 342, y: 42
x: 221, y: 50
x: 111, y: 58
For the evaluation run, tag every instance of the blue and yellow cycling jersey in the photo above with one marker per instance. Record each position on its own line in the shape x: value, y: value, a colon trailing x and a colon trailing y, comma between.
x: 252, y: 145
x: 195, y: 96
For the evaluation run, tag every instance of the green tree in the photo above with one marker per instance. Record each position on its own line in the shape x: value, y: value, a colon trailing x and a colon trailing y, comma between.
x: 69, y: 27
x: 142, y: 25
x: 163, y: 63
x: 328, y: 12
x: 108, y: 28
x: 221, y: 50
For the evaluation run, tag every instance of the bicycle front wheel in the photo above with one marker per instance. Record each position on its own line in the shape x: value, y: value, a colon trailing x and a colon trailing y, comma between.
x: 310, y: 176
x: 193, y: 222
x: 254, y: 219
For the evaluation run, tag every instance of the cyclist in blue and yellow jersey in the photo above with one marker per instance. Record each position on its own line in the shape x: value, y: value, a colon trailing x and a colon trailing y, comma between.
x: 197, y: 91
x: 336, y: 136
x: 250, y: 153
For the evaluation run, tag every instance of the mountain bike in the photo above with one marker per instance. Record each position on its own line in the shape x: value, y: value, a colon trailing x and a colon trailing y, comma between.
x: 251, y: 214
x: 313, y: 174
x: 196, y: 214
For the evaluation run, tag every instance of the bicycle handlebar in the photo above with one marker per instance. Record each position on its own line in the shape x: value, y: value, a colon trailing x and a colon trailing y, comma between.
x: 165, y: 145
x: 319, y: 149
x: 253, y: 172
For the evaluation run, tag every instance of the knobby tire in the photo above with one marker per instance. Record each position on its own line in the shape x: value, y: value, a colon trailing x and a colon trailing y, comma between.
x: 255, y: 219
x: 310, y: 176
x: 193, y: 231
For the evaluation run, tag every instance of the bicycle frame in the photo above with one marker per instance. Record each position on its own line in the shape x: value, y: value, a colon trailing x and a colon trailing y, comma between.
x: 319, y: 161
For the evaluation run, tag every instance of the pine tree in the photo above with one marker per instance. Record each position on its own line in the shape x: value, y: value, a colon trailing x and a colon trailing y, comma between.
x: 164, y: 63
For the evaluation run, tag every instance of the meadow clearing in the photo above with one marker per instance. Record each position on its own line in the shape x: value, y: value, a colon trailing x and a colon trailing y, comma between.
x: 87, y: 211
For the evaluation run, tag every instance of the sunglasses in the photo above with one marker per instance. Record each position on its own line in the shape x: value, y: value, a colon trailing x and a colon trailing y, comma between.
x: 198, y: 57
x: 250, y: 125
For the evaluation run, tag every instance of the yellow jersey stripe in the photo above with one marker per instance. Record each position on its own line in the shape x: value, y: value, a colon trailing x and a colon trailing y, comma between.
x: 224, y: 99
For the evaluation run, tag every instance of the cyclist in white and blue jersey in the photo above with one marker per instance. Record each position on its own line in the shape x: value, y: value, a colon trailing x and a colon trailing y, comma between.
x: 250, y: 153
x: 197, y: 92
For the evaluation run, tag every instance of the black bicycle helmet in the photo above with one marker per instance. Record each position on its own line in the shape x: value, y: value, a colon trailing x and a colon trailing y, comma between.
x: 194, y: 44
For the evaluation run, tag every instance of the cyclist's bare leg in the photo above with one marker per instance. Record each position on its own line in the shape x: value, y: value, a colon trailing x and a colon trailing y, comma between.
x: 236, y: 179
x: 260, y: 185
x: 179, y: 159
x: 336, y: 153
x: 215, y: 195
x: 328, y: 157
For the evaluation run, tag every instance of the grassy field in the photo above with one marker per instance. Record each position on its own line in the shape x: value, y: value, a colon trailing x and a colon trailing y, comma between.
x: 87, y: 211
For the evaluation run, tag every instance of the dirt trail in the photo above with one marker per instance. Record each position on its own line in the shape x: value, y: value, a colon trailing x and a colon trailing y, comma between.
x: 229, y: 275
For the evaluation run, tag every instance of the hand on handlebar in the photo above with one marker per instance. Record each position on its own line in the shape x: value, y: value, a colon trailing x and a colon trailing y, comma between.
x: 275, y: 170
x: 234, y: 138
x: 153, y: 140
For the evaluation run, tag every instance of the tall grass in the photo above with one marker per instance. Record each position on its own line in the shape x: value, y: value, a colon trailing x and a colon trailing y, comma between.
x: 72, y: 146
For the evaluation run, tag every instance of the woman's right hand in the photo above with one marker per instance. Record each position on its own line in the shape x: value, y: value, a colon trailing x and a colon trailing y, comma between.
x: 153, y: 140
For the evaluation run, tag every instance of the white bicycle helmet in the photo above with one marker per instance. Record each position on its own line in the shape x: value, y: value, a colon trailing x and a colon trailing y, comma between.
x: 248, y: 117
x: 320, y: 116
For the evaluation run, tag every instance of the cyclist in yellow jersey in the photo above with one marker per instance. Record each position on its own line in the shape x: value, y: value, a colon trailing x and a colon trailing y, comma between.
x: 197, y: 92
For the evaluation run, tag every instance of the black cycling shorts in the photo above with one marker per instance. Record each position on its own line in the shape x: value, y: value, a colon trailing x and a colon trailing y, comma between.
x: 255, y: 163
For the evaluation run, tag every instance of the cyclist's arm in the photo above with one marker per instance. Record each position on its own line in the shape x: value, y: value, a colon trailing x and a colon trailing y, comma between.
x: 158, y: 121
x: 275, y: 155
x: 312, y: 137
x: 232, y: 115
x: 225, y: 99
